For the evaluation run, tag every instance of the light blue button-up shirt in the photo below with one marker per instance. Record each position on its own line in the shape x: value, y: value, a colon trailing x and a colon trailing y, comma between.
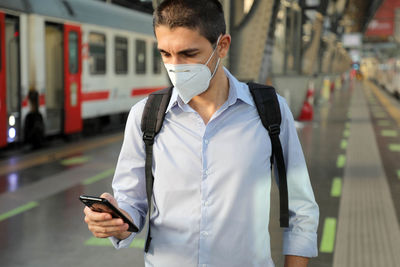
x: 212, y: 185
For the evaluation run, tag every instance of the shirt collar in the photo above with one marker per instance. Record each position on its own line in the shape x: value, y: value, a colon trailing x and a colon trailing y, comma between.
x: 237, y: 90
x: 174, y: 100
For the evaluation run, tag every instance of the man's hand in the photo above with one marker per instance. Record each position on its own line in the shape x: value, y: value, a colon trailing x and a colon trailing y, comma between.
x: 295, y: 261
x: 102, y: 224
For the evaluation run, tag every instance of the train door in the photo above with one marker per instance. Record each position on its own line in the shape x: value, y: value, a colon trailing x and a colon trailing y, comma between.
x: 72, y: 79
x: 3, y: 108
x: 10, y: 96
x: 54, y: 78
x: 63, y: 79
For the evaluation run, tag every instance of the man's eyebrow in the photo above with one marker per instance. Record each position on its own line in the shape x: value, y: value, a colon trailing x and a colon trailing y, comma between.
x: 188, y: 51
x: 185, y: 51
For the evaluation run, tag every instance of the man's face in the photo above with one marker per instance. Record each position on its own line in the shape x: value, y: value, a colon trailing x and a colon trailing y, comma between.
x: 184, y: 46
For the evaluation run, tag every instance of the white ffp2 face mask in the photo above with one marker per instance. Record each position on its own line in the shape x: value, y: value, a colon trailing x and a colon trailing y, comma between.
x: 191, y: 79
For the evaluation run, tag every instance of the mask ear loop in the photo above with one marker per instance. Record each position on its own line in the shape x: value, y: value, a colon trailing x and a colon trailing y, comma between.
x: 215, y: 49
x: 216, y: 67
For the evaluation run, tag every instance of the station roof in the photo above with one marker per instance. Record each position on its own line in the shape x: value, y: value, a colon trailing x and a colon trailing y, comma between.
x: 358, y: 13
x: 85, y: 11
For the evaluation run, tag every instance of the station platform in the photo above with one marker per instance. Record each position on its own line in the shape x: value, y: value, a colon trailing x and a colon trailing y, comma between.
x: 352, y: 148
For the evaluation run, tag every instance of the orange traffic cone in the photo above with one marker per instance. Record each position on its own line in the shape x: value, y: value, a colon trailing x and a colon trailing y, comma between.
x: 307, y: 111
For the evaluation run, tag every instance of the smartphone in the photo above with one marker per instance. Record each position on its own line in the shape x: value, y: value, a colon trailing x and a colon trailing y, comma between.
x: 99, y: 204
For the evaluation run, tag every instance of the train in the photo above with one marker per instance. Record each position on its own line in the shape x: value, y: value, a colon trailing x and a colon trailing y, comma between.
x: 384, y: 73
x: 86, y: 59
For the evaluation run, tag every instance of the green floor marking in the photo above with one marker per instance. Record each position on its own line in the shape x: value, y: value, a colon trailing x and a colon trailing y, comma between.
x: 389, y: 133
x: 379, y: 115
x: 347, y: 125
x: 346, y: 133
x: 74, y: 161
x: 384, y: 123
x: 341, y: 161
x: 138, y: 243
x: 98, y: 242
x: 398, y: 174
x: 328, y: 236
x: 394, y: 147
x: 18, y: 210
x: 98, y: 177
x: 105, y: 242
x: 336, y: 190
x: 343, y: 144
x: 378, y: 111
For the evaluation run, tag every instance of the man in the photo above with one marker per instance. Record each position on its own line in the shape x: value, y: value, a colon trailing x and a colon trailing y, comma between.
x: 34, y: 125
x: 211, y: 159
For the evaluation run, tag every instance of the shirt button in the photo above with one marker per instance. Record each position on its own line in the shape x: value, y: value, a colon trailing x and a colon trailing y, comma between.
x: 207, y: 172
x: 206, y: 203
x: 204, y: 233
x: 206, y: 141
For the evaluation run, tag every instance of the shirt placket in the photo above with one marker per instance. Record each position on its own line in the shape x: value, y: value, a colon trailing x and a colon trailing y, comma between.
x: 205, y: 230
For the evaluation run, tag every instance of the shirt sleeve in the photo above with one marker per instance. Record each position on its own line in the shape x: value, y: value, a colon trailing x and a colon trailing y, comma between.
x: 129, y: 182
x: 300, y: 238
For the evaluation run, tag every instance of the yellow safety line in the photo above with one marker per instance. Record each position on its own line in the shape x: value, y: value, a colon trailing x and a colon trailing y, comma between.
x: 391, y: 109
x: 64, y: 152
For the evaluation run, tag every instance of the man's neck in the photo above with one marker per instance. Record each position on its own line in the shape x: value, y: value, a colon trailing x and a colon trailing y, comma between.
x: 207, y: 103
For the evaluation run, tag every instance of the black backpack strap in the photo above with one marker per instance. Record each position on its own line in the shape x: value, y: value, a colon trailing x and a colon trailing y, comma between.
x: 152, y: 120
x: 267, y: 105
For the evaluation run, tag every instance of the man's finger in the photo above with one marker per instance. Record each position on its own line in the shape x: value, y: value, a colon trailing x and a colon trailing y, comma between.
x: 101, y: 235
x: 111, y: 223
x: 110, y: 198
x: 107, y: 196
x: 108, y: 231
x: 97, y: 216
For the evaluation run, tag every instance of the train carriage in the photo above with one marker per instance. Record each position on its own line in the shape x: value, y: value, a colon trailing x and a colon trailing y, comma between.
x: 86, y: 59
x: 384, y: 72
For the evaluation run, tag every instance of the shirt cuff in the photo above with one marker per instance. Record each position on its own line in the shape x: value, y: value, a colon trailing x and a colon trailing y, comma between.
x: 125, y: 243
x: 302, y: 244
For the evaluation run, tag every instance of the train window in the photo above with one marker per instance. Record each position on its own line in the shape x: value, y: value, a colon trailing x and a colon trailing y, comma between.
x: 140, y: 57
x: 156, y: 60
x: 121, y: 55
x: 73, y: 52
x: 97, y: 53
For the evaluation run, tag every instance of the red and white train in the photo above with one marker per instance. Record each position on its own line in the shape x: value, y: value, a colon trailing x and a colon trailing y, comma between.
x: 87, y: 59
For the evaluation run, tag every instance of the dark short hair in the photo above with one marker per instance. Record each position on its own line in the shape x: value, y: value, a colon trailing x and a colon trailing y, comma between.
x: 33, y: 97
x: 207, y: 16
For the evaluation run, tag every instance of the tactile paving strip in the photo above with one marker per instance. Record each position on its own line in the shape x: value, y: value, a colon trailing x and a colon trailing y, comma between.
x: 368, y: 232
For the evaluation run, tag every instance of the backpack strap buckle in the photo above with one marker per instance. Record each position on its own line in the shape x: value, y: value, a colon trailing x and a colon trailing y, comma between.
x: 274, y: 129
x: 148, y: 138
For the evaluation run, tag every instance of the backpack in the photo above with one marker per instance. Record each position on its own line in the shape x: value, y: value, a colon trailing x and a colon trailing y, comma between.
x: 267, y: 105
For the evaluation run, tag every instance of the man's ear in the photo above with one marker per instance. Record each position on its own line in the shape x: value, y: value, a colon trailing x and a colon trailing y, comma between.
x: 223, y: 46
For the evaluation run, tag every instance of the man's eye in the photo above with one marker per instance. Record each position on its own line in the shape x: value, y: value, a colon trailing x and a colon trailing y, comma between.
x: 190, y: 55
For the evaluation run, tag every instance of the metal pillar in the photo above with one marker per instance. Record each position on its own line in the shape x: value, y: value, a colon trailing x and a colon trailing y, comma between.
x: 249, y: 38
